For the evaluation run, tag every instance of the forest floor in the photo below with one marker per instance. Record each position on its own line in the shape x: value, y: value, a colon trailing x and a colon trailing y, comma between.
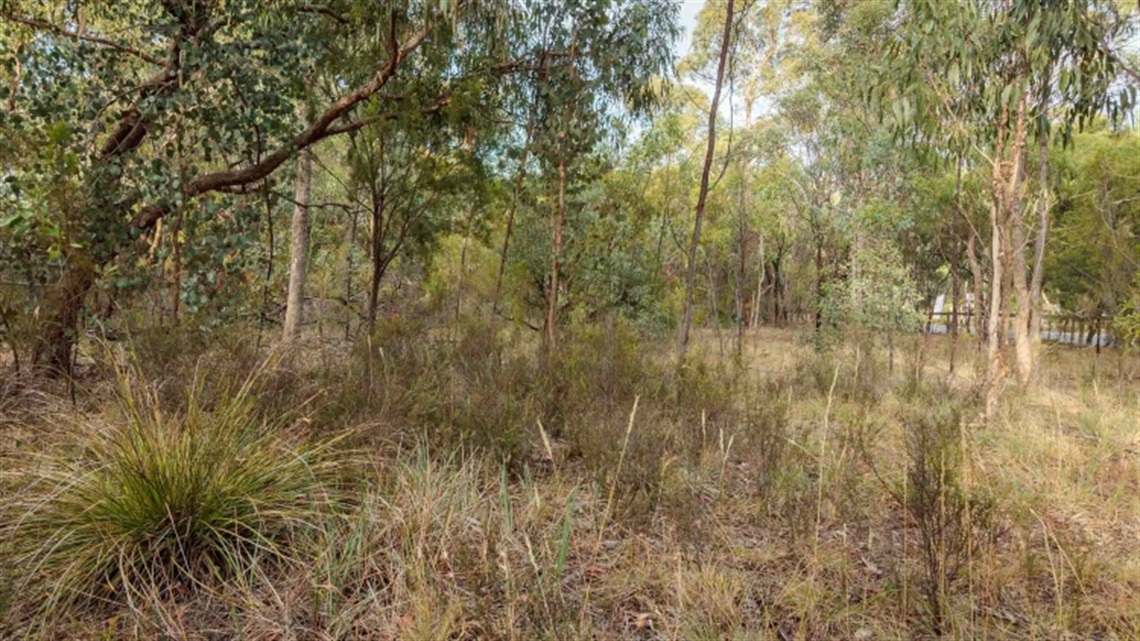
x: 467, y: 487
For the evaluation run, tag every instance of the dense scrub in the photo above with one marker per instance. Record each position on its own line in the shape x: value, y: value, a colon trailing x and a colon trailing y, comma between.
x: 462, y: 483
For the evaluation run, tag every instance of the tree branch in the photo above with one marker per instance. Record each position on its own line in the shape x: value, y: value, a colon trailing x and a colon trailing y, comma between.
x: 323, y: 10
x: 319, y: 130
x: 58, y: 30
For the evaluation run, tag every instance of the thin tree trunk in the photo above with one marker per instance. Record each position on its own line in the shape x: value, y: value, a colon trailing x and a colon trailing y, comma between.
x: 551, y: 334
x: 552, y: 293
x: 268, y: 258
x: 1022, y: 348
x: 818, y: 282
x: 376, y: 254
x: 349, y: 243
x: 713, y: 306
x: 977, y: 279
x: 659, y: 261
x: 298, y: 247
x: 176, y: 280
x: 702, y: 196
x: 519, y: 177
x: 1043, y: 205
x: 955, y: 267
x: 740, y: 289
x: 955, y: 302
x: 756, y: 304
x: 462, y: 268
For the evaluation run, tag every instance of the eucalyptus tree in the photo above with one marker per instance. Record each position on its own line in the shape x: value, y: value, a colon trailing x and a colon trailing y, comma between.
x: 725, y: 44
x: 1094, y: 259
x: 298, y: 247
x: 592, y: 64
x: 161, y: 103
x: 985, y: 78
x: 411, y: 177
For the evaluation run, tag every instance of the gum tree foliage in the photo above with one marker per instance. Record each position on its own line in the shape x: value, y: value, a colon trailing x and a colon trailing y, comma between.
x: 1095, y: 256
x: 877, y: 293
x: 146, y: 110
x: 595, y: 69
x: 412, y: 182
x: 985, y: 79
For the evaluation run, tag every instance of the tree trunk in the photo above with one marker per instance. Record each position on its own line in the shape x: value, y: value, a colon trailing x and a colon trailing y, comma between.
x: 377, y: 255
x: 818, y: 282
x: 977, y: 280
x: 660, y: 260
x: 349, y: 242
x: 60, y: 329
x: 742, y: 230
x: 994, y: 365
x: 1043, y: 205
x: 702, y: 196
x: 298, y: 247
x: 462, y: 268
x: 713, y: 306
x: 1006, y: 305
x: 756, y: 304
x: 955, y: 302
x: 779, y: 310
x: 1022, y: 348
x: 176, y: 267
x: 519, y: 177
x: 552, y: 293
x: 955, y: 267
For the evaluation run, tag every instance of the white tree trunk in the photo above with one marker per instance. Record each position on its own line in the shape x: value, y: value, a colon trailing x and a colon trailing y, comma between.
x: 299, y: 247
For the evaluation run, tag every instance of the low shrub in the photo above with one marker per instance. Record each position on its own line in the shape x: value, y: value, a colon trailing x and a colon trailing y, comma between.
x: 952, y: 521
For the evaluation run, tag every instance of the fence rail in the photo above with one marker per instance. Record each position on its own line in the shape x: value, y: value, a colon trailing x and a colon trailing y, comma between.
x: 1067, y: 329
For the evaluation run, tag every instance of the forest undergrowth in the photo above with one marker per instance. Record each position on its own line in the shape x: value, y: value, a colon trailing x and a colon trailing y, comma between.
x: 464, y: 484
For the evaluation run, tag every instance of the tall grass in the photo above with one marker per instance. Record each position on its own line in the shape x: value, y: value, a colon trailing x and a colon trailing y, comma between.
x: 509, y: 495
x: 156, y: 502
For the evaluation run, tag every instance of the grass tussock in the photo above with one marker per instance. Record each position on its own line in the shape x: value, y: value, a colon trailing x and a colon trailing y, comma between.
x: 154, y: 502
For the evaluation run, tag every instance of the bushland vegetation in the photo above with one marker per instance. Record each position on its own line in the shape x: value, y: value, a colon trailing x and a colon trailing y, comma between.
x: 501, y: 320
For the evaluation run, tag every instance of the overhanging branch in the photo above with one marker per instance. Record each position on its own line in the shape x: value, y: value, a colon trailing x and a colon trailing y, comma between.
x: 58, y: 30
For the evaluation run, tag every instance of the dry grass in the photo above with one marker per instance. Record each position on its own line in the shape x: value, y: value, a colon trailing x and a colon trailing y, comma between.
x: 773, y: 504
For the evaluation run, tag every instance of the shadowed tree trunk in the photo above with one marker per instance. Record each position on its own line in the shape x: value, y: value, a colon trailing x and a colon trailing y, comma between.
x: 58, y: 335
x: 376, y: 254
x: 349, y: 243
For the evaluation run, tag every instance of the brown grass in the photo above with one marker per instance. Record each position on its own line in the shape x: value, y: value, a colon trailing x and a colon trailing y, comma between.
x: 755, y: 505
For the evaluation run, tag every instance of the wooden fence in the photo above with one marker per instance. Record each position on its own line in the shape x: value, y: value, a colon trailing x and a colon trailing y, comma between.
x: 1068, y: 329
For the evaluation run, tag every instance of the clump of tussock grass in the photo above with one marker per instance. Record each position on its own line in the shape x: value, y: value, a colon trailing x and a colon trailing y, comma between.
x: 155, y: 502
